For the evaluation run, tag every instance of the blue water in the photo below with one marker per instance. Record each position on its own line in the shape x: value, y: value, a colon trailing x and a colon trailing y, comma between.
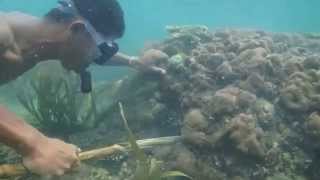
x: 146, y: 19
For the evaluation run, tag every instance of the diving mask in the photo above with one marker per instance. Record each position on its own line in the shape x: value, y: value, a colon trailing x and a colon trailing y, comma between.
x: 106, y: 47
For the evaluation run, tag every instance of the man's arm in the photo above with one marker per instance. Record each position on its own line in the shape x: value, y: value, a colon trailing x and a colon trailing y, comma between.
x: 121, y: 59
x: 41, y: 155
x: 143, y: 64
x: 8, y: 49
x: 16, y: 133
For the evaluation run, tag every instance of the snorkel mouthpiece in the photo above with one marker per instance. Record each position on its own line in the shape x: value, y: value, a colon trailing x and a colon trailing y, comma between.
x: 108, y: 50
x: 86, y: 81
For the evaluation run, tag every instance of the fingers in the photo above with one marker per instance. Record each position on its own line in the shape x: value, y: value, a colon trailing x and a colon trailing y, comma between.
x: 77, y: 151
x: 76, y: 164
x: 55, y: 158
x: 158, y: 70
x: 12, y: 57
x: 71, y: 157
x: 76, y: 158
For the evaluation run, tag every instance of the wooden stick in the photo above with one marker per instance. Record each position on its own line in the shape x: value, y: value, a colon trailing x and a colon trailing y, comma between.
x: 102, y: 152
x: 12, y: 170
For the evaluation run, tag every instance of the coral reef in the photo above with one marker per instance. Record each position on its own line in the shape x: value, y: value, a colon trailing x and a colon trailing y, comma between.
x: 246, y: 103
x: 244, y: 135
x: 242, y: 96
x: 195, y: 126
x: 301, y: 92
x: 184, y: 39
x: 312, y: 126
x: 230, y: 100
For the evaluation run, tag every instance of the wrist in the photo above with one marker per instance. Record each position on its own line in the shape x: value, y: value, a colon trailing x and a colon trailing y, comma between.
x: 31, y: 142
x: 16, y: 133
x: 133, y: 60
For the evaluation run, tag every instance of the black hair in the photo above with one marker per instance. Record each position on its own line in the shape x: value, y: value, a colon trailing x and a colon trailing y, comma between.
x: 59, y: 16
x: 106, y: 16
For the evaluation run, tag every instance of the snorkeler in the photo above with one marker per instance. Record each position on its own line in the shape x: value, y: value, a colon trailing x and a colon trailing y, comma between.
x: 77, y: 33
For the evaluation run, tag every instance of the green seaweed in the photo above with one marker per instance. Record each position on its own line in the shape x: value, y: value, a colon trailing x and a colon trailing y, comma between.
x: 55, y: 108
x: 147, y: 169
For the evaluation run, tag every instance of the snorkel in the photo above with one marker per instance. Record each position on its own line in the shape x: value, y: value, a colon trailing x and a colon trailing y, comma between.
x: 106, y: 47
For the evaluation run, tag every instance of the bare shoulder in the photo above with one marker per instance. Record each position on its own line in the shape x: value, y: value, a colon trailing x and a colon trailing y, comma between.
x: 16, y: 18
x: 6, y: 35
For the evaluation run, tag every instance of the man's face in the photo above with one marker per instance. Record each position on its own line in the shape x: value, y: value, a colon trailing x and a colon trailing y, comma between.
x: 79, y: 48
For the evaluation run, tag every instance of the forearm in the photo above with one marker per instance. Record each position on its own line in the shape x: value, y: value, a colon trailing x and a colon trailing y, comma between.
x: 15, y: 133
x: 133, y: 62
x: 121, y: 59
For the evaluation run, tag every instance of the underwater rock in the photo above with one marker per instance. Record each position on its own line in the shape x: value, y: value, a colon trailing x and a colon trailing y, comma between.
x: 292, y: 97
x: 237, y: 178
x: 202, y: 32
x: 279, y: 176
x: 301, y: 93
x: 280, y: 47
x: 230, y: 56
x: 244, y: 136
x: 225, y: 71
x: 256, y: 84
x: 230, y: 100
x: 186, y: 160
x: 299, y: 51
x: 250, y: 54
x: 277, y: 62
x: 245, y: 99
x: 196, y: 138
x: 83, y: 172
x: 266, y: 42
x: 196, y: 120
x: 225, y: 100
x: 211, y: 47
x: 282, y: 37
x: 264, y: 111
x: 153, y: 57
x: 223, y: 34
x: 194, y: 127
x: 183, y: 39
x: 176, y: 63
x: 210, y: 60
x: 251, y: 44
x: 312, y: 126
x: 294, y: 64
x: 252, y: 60
x: 312, y: 62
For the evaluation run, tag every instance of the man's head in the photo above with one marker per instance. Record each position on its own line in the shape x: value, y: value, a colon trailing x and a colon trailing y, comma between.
x: 92, y: 26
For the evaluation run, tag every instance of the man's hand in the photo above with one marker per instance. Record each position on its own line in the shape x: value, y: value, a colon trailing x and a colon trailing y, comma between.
x: 51, y: 157
x: 41, y: 155
x: 150, y: 61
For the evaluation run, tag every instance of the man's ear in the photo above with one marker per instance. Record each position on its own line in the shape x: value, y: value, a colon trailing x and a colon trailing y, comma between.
x: 78, y: 27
